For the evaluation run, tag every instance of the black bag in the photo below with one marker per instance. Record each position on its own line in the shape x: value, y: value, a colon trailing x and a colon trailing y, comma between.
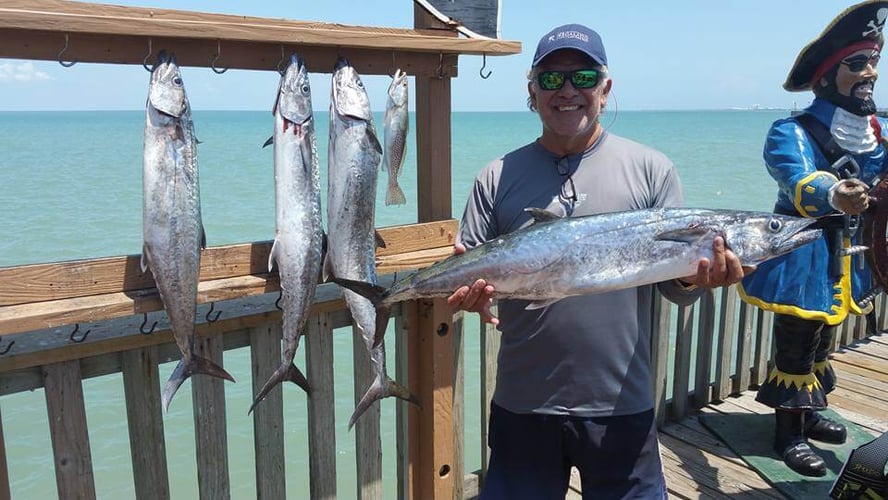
x: 863, y: 475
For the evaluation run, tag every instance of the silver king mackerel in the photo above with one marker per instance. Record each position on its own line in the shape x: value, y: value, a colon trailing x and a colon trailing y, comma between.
x: 557, y: 257
x: 354, y: 157
x: 172, y: 228
x: 298, y: 239
x: 394, y: 131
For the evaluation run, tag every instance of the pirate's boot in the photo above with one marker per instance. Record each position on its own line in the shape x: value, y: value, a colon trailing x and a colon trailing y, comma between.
x: 790, y: 445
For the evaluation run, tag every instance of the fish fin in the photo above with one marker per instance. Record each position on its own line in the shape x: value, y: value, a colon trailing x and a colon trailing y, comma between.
x: 374, y: 141
x: 290, y: 373
x: 379, y: 390
x: 144, y: 262
x: 380, y: 243
x: 395, y: 195
x: 272, y: 255
x: 203, y: 237
x: 374, y: 293
x: 183, y: 371
x: 327, y: 269
x: 382, y: 318
x: 269, y: 142
x: 542, y: 215
x: 685, y: 235
x: 539, y: 304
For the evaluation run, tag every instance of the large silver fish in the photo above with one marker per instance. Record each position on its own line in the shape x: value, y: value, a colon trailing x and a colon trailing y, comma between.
x: 298, y: 238
x: 559, y: 257
x: 395, y: 125
x: 171, y: 223
x: 354, y: 154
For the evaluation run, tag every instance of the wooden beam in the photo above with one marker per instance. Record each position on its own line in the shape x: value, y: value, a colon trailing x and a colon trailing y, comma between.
x: 68, y: 430
x: 37, y: 29
x: 43, y: 296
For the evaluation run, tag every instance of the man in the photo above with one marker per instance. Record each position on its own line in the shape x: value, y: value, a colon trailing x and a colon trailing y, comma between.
x: 573, y: 380
x: 823, y: 161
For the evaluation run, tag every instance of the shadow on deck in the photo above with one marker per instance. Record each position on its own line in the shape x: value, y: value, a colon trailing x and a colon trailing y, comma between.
x: 698, y: 464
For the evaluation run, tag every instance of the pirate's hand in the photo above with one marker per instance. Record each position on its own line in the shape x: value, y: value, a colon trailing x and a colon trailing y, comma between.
x: 849, y: 196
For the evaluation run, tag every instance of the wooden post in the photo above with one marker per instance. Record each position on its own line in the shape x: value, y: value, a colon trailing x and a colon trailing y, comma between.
x: 432, y: 351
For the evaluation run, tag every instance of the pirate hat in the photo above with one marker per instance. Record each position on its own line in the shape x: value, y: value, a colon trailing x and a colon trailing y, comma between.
x: 859, y: 24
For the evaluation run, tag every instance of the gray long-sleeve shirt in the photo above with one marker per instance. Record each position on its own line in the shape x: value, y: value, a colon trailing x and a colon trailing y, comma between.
x: 587, y: 355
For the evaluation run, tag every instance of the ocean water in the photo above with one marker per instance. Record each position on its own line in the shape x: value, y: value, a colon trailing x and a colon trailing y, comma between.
x: 70, y: 188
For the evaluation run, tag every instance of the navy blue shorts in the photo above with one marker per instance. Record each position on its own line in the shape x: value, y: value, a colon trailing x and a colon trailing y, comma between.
x: 531, y: 456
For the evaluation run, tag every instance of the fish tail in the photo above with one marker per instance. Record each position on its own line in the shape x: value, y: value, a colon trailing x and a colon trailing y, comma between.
x: 184, y: 370
x: 290, y: 373
x: 378, y: 390
x: 374, y: 293
x: 395, y: 195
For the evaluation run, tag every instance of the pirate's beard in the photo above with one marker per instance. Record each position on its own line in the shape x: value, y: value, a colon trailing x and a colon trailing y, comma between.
x: 859, y: 107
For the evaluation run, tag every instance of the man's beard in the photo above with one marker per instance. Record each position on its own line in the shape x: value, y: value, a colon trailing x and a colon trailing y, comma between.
x: 859, y: 107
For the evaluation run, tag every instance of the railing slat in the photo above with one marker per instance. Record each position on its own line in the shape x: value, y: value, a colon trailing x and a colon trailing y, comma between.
x: 702, y: 378
x: 5, y: 493
x: 744, y: 347
x: 321, y: 414
x: 682, y: 365
x: 490, y: 344
x: 141, y: 386
x: 660, y: 318
x: 268, y: 415
x: 68, y: 430
x: 726, y: 327
x: 764, y: 322
x: 368, y: 443
x: 404, y: 321
x: 459, y: 397
x: 210, y: 432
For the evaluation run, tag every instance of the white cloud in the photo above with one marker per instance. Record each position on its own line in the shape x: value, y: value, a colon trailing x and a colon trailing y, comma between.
x: 21, y: 72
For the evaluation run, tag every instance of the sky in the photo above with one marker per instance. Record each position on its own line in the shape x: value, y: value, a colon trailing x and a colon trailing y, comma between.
x: 663, y: 55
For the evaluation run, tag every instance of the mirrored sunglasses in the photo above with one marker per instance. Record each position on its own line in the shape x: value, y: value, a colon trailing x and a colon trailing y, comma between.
x: 580, y: 79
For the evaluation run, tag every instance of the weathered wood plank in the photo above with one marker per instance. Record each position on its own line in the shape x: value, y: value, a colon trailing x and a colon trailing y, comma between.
x: 705, y: 332
x: 5, y: 493
x: 862, y: 360
x: 682, y: 365
x: 321, y: 407
x: 490, y: 344
x: 745, y: 333
x: 726, y: 327
x: 68, y: 430
x: 764, y: 320
x: 368, y: 441
x: 132, y: 25
x: 660, y: 317
x: 407, y: 440
x: 141, y: 385
x: 459, y: 398
x: 268, y: 415
x: 210, y: 432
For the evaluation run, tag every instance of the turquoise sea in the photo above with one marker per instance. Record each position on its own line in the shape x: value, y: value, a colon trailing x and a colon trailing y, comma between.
x: 70, y: 188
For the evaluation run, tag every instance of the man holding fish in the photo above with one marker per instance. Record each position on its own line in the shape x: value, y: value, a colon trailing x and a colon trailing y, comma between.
x: 574, y: 381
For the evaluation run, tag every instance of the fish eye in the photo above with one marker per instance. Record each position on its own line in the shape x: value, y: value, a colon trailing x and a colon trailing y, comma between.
x: 305, y: 89
x: 775, y: 225
x: 177, y: 81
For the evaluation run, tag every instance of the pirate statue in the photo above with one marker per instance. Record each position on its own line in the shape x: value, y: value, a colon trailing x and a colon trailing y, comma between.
x: 824, y: 161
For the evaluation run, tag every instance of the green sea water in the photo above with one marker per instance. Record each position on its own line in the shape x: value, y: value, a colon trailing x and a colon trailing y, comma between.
x: 70, y: 188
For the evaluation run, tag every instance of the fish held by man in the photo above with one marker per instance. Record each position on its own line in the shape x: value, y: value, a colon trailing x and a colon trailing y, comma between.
x: 172, y: 227
x: 354, y: 157
x: 298, y: 240
x: 395, y: 127
x: 557, y: 257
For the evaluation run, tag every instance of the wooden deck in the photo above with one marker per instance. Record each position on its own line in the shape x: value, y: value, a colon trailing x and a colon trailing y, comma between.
x: 698, y: 465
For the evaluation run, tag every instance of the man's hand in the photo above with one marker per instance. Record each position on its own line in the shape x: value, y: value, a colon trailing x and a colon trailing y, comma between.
x: 476, y: 298
x: 850, y: 196
x: 724, y: 270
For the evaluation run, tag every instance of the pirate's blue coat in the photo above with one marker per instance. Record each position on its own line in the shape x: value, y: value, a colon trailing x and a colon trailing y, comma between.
x: 799, y: 283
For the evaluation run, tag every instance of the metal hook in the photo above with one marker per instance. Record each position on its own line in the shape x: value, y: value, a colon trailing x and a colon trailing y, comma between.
x: 216, y: 317
x: 74, y: 333
x: 279, y: 68
x: 440, y: 71
x: 145, y: 322
x: 145, y: 61
x: 484, y: 65
x: 8, y: 347
x: 218, y: 55
x: 65, y: 64
x: 277, y: 303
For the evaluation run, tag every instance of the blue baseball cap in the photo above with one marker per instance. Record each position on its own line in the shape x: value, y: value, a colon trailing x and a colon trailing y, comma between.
x: 571, y: 36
